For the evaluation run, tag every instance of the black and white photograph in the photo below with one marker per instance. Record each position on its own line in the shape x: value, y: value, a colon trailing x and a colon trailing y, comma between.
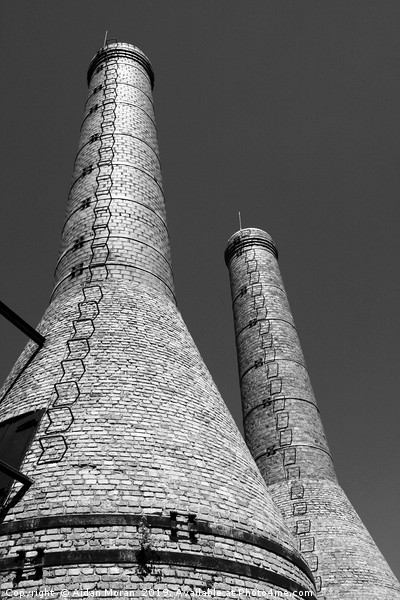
x: 199, y: 299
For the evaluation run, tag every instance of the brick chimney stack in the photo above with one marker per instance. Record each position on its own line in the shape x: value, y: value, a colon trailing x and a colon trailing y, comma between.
x: 284, y: 432
x: 141, y: 479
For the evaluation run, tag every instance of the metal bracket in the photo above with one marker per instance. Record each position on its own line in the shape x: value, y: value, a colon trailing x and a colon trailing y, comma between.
x: 18, y: 476
x: 24, y: 563
x: 184, y: 524
x: 21, y: 324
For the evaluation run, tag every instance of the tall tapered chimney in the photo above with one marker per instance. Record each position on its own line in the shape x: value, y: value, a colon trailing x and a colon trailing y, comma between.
x: 284, y: 432
x: 141, y: 479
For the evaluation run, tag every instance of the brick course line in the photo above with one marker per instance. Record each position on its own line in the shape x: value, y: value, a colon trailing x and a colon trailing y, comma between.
x: 91, y: 168
x: 153, y: 521
x: 197, y: 561
x: 79, y: 208
x: 115, y: 264
x: 120, y: 103
x: 129, y: 135
x: 262, y: 404
x: 116, y: 237
x: 121, y: 83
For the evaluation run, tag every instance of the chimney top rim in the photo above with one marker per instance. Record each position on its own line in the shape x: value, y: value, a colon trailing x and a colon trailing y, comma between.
x: 247, y: 237
x: 120, y: 49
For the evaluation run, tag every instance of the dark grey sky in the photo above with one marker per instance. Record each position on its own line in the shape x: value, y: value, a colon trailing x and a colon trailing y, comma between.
x: 288, y: 111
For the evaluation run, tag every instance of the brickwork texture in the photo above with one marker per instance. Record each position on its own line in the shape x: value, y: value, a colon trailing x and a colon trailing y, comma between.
x: 141, y: 478
x: 284, y: 432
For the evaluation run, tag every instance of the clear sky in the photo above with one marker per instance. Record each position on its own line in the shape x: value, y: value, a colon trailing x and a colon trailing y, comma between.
x: 288, y: 111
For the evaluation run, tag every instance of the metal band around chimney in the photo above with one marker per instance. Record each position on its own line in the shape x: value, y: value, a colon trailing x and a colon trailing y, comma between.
x: 120, y: 52
x: 153, y: 521
x: 182, y: 559
x: 239, y: 244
